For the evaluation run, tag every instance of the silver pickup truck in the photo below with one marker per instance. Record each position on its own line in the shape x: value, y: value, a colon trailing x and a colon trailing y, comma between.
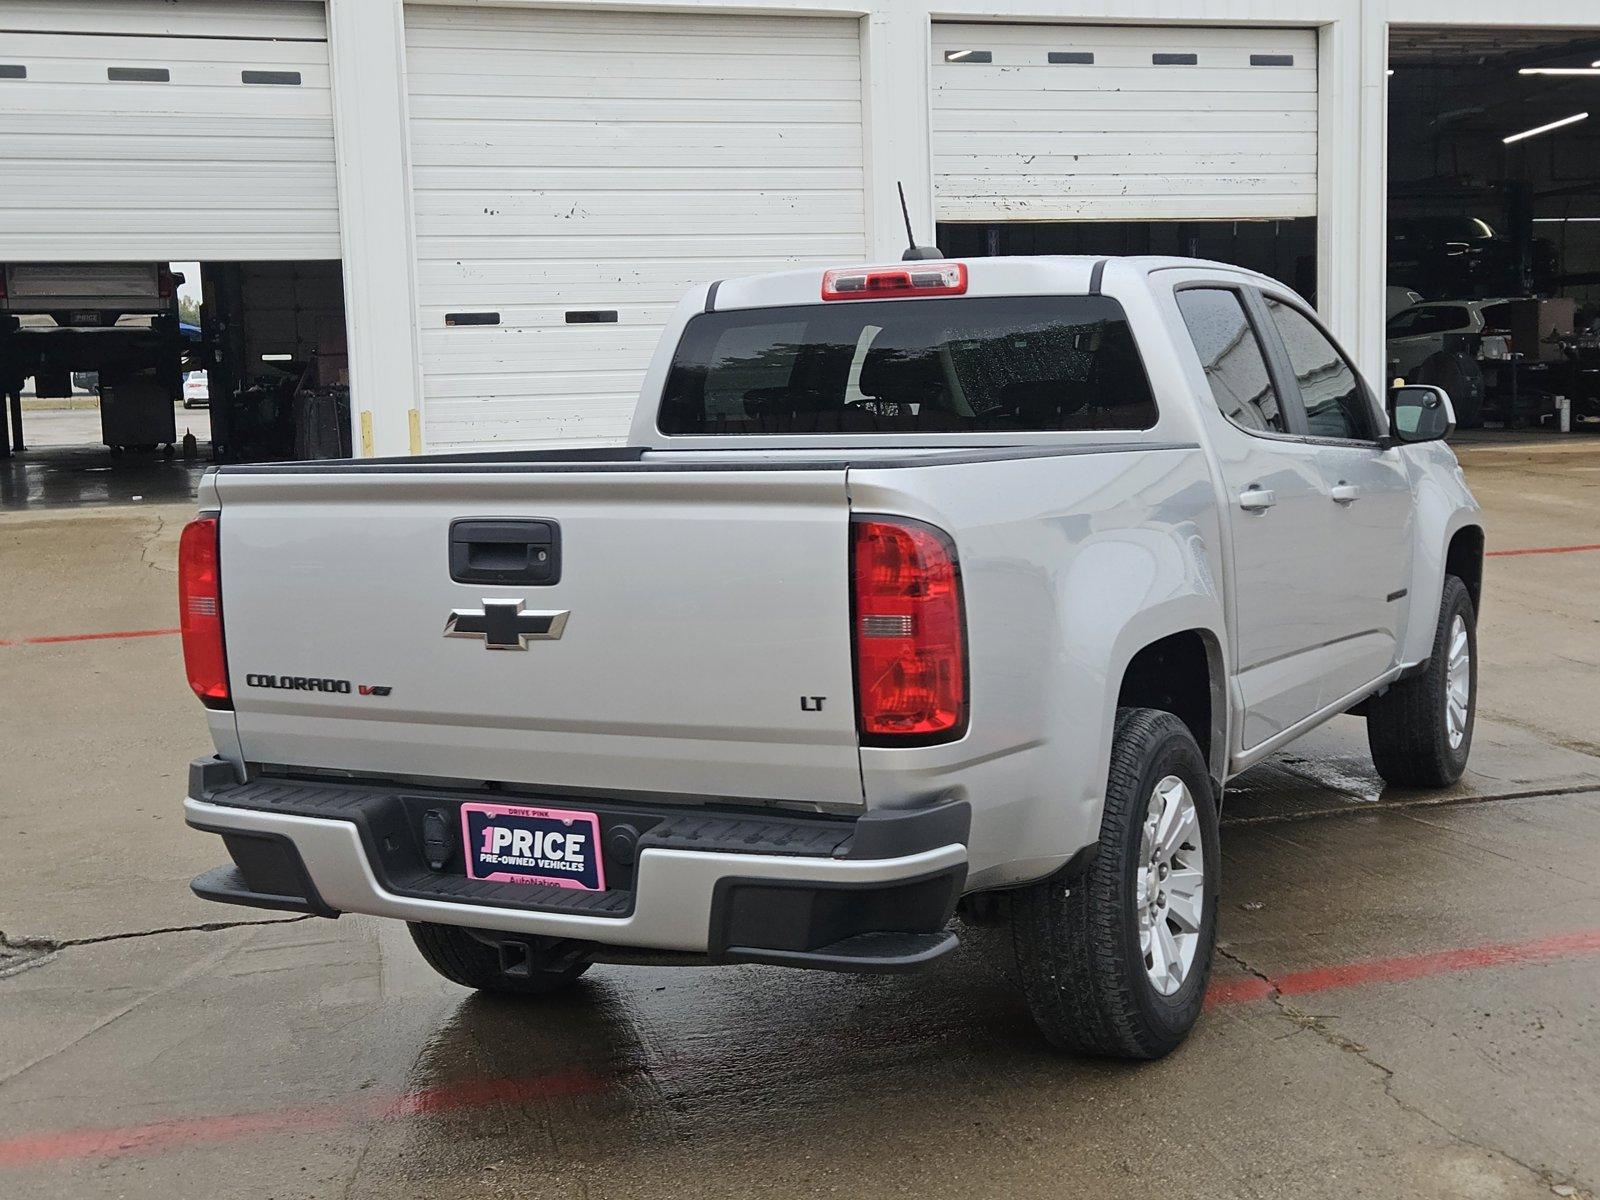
x: 923, y: 586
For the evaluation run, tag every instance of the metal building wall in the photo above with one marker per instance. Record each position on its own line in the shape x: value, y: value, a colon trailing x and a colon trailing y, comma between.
x: 367, y: 49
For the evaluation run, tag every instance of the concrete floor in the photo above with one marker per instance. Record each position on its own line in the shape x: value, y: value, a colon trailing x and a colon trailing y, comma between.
x: 1429, y: 1028
x: 76, y: 422
x: 66, y: 465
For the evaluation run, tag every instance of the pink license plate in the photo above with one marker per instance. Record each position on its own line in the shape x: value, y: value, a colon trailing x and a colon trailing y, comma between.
x: 512, y: 843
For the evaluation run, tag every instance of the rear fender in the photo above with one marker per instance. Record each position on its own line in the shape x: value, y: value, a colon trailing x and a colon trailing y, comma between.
x: 1121, y: 594
x: 1200, y: 611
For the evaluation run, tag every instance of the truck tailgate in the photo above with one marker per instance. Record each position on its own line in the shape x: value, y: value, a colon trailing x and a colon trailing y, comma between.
x: 703, y: 605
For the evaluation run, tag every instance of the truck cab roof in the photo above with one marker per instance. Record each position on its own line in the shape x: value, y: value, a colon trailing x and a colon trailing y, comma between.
x: 1005, y: 275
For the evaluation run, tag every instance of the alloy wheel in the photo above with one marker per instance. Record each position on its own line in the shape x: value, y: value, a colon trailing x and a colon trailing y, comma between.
x: 1458, y: 683
x: 1170, y: 885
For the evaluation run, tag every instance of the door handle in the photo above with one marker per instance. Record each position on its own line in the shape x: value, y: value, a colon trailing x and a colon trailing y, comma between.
x: 1254, y: 499
x: 1345, y: 493
x: 506, y: 551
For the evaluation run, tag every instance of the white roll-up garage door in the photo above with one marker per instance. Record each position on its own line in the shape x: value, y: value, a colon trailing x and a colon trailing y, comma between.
x: 575, y: 173
x: 1121, y: 123
x: 165, y: 129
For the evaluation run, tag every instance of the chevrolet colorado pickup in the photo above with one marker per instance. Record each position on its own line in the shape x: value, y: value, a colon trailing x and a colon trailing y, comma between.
x: 919, y: 585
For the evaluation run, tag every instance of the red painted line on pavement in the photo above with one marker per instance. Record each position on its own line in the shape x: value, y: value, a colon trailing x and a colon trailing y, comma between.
x: 55, y: 639
x: 1239, y: 989
x: 1541, y: 550
x: 161, y: 1136
x: 468, y: 1095
x: 1244, y: 989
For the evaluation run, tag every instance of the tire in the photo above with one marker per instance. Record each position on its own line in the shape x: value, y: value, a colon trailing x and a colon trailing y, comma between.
x: 1079, y: 944
x: 462, y: 957
x: 1414, y: 741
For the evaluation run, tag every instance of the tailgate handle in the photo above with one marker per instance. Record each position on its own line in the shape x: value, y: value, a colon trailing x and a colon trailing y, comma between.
x: 505, y: 551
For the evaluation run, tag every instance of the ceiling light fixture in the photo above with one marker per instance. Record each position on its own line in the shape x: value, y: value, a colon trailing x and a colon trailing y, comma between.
x: 1594, y: 70
x: 1538, y: 129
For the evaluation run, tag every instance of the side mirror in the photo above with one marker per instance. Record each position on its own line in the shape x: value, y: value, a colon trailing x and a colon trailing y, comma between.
x: 1420, y: 412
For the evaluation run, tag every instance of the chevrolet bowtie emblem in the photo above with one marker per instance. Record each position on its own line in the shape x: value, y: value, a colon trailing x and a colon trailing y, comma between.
x: 504, y: 626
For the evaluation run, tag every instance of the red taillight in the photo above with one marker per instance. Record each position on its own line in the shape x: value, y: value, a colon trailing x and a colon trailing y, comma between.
x: 200, y: 612
x: 917, y: 279
x: 910, y: 643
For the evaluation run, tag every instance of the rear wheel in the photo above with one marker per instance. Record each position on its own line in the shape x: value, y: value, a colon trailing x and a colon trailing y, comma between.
x: 1116, y: 961
x: 535, y: 967
x: 1420, y: 730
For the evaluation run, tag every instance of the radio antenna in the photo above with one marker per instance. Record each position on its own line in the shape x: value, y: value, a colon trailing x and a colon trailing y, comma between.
x: 913, y: 252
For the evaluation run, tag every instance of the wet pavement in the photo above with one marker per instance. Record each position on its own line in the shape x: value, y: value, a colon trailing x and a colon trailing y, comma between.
x: 1407, y: 1005
x: 84, y: 476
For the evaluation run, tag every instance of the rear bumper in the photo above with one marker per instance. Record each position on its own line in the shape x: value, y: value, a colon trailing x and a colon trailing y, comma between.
x: 869, y: 894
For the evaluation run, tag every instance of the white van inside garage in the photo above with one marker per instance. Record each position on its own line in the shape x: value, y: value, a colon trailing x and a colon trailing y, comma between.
x: 139, y: 133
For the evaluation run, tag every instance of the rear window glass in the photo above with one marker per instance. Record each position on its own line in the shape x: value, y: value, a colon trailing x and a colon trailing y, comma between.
x: 1022, y: 364
x: 1415, y: 321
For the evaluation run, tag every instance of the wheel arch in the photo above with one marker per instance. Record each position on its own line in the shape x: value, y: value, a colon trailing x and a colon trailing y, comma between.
x: 1184, y: 673
x: 1463, y: 558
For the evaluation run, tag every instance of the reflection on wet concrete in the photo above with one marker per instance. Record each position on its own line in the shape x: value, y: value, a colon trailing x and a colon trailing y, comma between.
x: 725, y: 1064
x: 1330, y: 770
x: 71, y: 476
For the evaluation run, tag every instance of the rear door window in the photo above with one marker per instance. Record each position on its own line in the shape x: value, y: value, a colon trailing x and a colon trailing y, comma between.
x: 1499, y: 316
x: 1015, y: 364
x: 1232, y: 358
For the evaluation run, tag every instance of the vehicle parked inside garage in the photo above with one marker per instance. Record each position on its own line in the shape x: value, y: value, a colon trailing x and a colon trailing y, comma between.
x: 115, y: 321
x: 1471, y: 347
x: 1397, y: 300
x: 920, y: 583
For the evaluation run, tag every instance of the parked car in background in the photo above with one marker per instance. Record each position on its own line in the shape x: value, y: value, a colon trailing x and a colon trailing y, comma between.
x: 917, y: 583
x: 1472, y: 348
x: 1449, y: 343
x: 1423, y: 330
x: 1457, y: 255
x: 196, y: 390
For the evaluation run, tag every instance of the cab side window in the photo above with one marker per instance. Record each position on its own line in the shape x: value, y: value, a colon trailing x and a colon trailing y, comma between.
x: 1234, y: 364
x: 1335, y: 402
